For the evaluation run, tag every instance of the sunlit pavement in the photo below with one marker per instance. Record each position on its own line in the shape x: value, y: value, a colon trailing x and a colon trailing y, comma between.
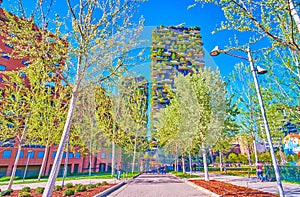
x: 157, y: 185
x: 290, y: 189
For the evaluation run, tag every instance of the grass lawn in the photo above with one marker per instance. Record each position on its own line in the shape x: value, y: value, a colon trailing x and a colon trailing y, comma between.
x: 184, y: 175
x: 19, y: 180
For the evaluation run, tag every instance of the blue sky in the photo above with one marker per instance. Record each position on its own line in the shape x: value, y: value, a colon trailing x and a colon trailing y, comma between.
x: 174, y: 12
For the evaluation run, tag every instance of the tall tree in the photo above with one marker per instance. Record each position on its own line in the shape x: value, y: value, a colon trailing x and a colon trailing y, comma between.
x: 91, y: 47
x: 133, y: 116
x: 15, y: 115
x: 86, y: 122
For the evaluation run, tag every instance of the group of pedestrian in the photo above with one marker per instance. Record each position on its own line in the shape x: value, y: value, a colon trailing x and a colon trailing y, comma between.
x: 260, y: 172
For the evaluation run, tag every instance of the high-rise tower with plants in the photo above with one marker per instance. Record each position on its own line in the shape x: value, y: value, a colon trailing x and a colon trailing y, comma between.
x: 173, y: 50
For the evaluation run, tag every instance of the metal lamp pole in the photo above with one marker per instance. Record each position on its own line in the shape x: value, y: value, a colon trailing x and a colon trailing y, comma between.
x: 216, y: 51
x: 266, y: 124
x: 28, y: 157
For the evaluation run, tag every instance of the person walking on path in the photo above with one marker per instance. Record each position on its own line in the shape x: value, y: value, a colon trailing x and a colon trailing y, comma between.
x: 259, y: 171
x: 118, y: 169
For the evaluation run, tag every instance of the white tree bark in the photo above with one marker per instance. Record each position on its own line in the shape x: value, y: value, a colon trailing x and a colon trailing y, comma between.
x: 206, y: 176
x: 66, y: 166
x: 183, y: 163
x: 190, y: 161
x: 220, y: 162
x: 13, y: 172
x: 113, y: 146
x: 42, y: 169
x: 295, y: 14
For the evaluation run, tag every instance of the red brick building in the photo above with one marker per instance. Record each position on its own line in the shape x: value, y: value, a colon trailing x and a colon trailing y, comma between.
x: 33, y: 154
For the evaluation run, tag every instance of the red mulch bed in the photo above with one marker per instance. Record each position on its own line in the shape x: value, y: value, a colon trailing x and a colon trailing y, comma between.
x: 87, y: 193
x: 230, y: 190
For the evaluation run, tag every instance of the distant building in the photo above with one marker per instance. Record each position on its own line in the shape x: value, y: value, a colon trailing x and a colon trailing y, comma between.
x: 173, y: 50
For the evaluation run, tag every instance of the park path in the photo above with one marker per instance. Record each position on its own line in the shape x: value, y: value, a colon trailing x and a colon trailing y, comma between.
x: 157, y: 185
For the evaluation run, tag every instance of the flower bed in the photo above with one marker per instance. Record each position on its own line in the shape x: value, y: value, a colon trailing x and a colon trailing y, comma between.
x: 88, y: 193
x: 230, y: 190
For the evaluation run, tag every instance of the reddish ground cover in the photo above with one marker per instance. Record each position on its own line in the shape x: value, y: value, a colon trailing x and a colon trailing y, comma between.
x: 230, y: 190
x: 87, y: 193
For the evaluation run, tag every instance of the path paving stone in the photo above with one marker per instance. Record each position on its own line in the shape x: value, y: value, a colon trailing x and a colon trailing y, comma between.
x: 157, y: 185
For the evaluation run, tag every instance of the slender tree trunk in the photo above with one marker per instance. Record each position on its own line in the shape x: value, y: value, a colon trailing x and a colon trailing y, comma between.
x: 206, y: 176
x: 42, y: 169
x: 134, y: 154
x: 90, y: 166
x: 183, y: 163
x: 254, y: 147
x: 294, y: 14
x: 249, y: 157
x: 190, y: 161
x: 57, y: 161
x: 113, y: 147
x: 12, y: 176
x: 221, y: 163
x: 211, y: 156
x: 66, y: 165
x: 176, y: 159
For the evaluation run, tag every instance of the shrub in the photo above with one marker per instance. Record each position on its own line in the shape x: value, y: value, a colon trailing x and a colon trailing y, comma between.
x: 69, y: 192
x: 39, y: 190
x: 6, y: 192
x: 81, y: 188
x: 91, y: 186
x: 24, y: 194
x: 69, y: 185
x: 25, y: 189
x: 78, y: 185
x: 58, y: 188
x: 104, y: 183
x: 98, y: 184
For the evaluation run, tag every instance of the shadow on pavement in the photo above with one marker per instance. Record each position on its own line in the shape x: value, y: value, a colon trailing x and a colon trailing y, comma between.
x: 156, y: 179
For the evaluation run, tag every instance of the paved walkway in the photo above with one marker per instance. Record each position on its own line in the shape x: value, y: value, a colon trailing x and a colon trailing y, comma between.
x: 290, y: 189
x: 157, y: 185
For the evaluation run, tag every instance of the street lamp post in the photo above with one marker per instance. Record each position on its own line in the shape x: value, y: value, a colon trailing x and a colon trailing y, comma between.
x: 28, y: 157
x: 216, y: 51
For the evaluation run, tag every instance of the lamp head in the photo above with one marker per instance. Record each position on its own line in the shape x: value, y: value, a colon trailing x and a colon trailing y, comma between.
x: 261, y: 70
x: 215, y: 51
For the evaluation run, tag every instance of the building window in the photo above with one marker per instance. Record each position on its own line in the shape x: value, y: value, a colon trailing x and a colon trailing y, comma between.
x: 21, y: 74
x: 30, y: 154
x: 2, y: 67
x: 53, y: 154
x: 102, y: 155
x: 71, y: 155
x: 9, y: 45
x: 6, y: 154
x: 21, y: 154
x: 25, y: 62
x: 5, y: 55
x: 41, y: 154
x: 77, y: 156
x: 110, y: 155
